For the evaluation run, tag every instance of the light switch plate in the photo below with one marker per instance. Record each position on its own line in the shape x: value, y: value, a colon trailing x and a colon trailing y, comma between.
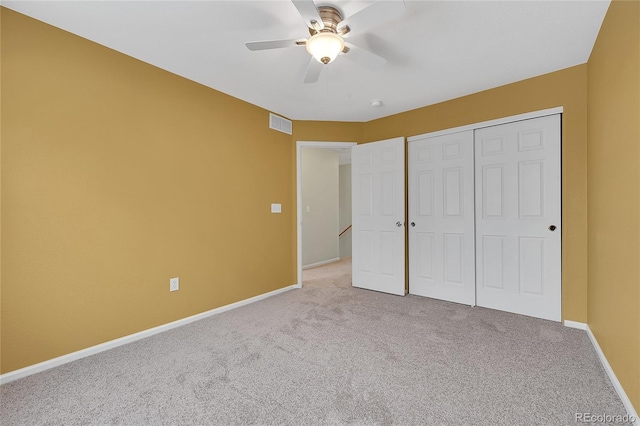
x: 276, y: 208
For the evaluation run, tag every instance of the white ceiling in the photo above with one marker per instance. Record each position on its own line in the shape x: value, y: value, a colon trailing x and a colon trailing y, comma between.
x: 437, y: 50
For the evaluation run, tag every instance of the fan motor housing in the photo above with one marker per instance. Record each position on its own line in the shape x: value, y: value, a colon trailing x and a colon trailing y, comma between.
x: 331, y: 17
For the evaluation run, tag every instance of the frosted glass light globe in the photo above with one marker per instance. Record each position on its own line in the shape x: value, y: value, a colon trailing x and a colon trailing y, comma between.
x: 325, y: 47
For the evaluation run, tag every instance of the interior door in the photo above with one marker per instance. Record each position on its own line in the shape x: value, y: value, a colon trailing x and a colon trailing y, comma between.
x: 518, y: 229
x: 441, y: 218
x: 378, y: 215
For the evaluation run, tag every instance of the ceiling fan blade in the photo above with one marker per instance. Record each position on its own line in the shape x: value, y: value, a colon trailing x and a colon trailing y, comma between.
x: 271, y: 44
x: 364, y: 57
x: 313, y: 71
x: 379, y: 12
x: 309, y: 12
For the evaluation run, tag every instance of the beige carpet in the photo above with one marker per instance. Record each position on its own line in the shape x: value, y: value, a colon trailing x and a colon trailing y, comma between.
x: 335, y: 274
x: 329, y: 354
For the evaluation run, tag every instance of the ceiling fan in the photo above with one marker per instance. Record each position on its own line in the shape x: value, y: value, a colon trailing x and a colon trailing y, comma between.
x: 328, y: 28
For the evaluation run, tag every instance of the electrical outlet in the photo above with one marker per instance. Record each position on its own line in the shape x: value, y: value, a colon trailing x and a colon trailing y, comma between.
x: 174, y: 284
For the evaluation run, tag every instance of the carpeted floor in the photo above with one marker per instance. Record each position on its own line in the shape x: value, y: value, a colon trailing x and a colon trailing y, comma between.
x: 330, y: 354
x: 336, y: 274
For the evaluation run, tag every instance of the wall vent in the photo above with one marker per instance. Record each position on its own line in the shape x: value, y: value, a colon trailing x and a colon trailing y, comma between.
x: 280, y: 124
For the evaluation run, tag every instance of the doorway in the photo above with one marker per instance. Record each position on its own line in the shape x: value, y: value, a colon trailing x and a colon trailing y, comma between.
x: 342, y: 150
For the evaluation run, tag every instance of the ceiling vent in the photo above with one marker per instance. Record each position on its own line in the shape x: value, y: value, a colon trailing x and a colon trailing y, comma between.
x: 280, y: 124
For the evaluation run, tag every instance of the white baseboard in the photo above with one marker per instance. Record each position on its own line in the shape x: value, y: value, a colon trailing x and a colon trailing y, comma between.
x: 324, y: 262
x: 575, y: 324
x: 55, y: 362
x: 607, y: 367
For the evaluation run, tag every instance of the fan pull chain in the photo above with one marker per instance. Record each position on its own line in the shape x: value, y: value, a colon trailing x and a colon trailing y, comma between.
x: 327, y: 73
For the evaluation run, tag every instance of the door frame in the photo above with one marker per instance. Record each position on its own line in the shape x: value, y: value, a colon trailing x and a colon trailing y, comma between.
x: 299, y: 146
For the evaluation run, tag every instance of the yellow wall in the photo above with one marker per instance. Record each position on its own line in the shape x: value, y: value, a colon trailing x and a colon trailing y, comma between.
x: 116, y: 176
x: 327, y: 131
x: 614, y: 193
x: 566, y: 88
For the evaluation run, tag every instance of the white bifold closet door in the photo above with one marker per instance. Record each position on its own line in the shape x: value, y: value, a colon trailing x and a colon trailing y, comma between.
x: 518, y: 244
x: 378, y: 210
x: 441, y: 218
x: 485, y: 217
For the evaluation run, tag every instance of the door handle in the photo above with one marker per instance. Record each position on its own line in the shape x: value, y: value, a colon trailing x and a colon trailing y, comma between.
x: 413, y: 224
x: 398, y: 224
x: 552, y: 228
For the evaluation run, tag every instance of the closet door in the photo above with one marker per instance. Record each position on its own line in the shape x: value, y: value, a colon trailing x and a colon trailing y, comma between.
x: 518, y: 229
x: 441, y: 218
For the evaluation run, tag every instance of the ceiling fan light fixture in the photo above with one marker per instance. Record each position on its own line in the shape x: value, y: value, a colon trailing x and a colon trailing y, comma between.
x: 325, y: 46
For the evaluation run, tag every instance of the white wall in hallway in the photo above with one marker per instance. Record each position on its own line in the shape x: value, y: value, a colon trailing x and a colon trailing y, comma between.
x: 345, y: 209
x: 319, y: 205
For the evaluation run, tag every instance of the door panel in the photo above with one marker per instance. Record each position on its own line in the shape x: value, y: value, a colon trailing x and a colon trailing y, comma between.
x: 517, y: 200
x: 441, y: 216
x: 493, y: 261
x: 378, y: 216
